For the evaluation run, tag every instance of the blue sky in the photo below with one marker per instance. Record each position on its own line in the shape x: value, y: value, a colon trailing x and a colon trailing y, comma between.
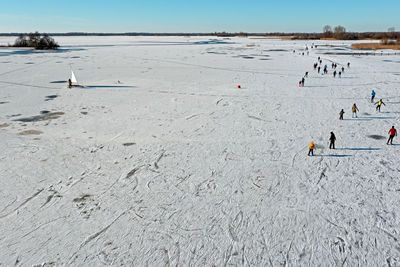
x: 196, y: 16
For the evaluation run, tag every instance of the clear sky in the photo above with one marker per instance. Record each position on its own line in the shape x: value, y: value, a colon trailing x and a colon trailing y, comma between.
x: 196, y: 15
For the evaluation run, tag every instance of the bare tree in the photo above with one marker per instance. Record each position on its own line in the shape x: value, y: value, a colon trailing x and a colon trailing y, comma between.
x: 327, y: 31
x: 339, y: 32
x: 392, y: 33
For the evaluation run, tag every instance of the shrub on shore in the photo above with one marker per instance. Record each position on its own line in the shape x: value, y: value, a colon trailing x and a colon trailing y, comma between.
x: 377, y: 46
x: 37, y: 41
x: 389, y: 42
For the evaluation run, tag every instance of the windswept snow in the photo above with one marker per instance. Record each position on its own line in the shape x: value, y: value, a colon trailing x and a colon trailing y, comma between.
x: 161, y: 160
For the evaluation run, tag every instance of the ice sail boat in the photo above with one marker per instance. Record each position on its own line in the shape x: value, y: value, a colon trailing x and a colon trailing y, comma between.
x: 74, y: 82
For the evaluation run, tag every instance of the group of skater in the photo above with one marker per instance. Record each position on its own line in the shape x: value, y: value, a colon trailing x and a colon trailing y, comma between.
x: 317, y: 67
x: 354, y: 108
x: 332, y: 139
x: 379, y: 103
x: 312, y: 147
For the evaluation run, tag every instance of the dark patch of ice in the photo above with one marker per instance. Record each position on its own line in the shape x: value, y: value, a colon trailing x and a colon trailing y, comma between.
x: 42, y: 117
x: 129, y: 144
x: 391, y: 61
x: 32, y: 51
x: 376, y: 137
x: 50, y: 97
x: 82, y: 198
x: 217, y: 53
x: 13, y: 115
x: 276, y: 50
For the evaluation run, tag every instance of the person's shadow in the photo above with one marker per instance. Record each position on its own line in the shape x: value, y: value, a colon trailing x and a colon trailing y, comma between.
x: 108, y: 86
x: 359, y: 148
x: 333, y: 156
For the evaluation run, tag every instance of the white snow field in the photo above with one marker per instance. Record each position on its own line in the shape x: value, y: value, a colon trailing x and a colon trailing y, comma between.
x: 175, y: 166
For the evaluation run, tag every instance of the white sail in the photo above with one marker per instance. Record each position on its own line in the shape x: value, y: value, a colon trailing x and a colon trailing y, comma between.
x: 73, y: 78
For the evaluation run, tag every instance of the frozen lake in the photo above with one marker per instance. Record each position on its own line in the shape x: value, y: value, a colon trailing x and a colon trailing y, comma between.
x: 160, y: 160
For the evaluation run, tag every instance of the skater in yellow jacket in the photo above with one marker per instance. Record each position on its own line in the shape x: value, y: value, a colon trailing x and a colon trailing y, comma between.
x: 311, y: 148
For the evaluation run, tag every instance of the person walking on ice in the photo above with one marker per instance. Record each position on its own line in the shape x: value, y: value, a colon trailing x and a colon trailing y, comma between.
x: 392, y: 134
x: 341, y: 114
x: 332, y: 140
x: 311, y: 148
x: 354, y: 109
x: 372, y: 96
x: 379, y: 104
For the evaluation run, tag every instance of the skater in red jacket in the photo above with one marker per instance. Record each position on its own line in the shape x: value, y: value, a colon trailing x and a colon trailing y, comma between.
x: 392, y: 134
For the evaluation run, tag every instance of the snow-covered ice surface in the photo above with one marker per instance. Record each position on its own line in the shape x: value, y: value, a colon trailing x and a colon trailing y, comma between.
x: 173, y: 165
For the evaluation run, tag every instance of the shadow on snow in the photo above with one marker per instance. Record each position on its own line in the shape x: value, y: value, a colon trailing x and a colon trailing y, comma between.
x: 334, y: 156
x: 32, y: 51
x: 108, y: 86
x: 359, y: 148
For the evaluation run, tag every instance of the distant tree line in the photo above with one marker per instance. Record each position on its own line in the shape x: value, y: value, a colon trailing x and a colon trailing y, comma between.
x: 36, y: 40
x: 338, y: 32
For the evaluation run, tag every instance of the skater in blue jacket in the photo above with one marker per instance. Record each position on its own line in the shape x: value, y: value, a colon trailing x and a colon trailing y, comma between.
x: 372, y: 96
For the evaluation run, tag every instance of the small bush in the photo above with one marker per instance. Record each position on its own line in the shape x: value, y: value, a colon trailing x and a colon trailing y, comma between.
x: 37, y: 41
x: 22, y: 41
x: 46, y: 42
x: 388, y: 42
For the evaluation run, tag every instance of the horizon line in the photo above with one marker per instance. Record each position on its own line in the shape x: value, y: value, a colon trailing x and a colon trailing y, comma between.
x: 178, y: 33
